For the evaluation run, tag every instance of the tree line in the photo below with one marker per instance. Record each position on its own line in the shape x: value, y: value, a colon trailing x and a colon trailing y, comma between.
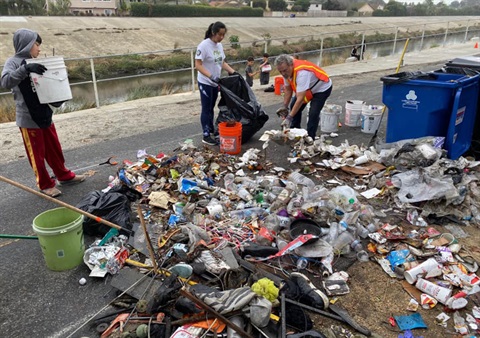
x: 392, y: 8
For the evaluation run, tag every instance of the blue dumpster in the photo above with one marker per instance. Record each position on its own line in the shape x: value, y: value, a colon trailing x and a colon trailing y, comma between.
x: 432, y: 104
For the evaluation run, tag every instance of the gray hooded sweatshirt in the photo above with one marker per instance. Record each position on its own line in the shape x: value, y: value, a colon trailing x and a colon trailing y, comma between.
x: 30, y: 113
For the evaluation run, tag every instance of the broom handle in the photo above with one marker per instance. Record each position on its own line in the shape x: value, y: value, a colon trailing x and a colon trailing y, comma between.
x: 63, y: 204
x: 403, y: 54
x: 398, y: 67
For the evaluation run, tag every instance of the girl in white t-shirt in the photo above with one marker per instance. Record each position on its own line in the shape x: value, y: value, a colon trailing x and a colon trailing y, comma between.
x: 209, y: 62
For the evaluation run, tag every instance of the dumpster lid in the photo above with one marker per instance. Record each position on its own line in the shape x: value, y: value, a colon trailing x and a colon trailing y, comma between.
x: 466, y: 61
x: 405, y: 76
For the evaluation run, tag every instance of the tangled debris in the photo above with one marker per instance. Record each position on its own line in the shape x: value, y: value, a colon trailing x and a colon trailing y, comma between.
x: 238, y: 246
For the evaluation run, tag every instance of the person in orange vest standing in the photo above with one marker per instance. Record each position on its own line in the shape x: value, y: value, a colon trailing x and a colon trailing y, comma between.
x: 310, y: 83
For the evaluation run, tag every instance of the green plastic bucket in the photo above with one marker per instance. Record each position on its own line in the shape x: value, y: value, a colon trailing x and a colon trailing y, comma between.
x: 60, y: 235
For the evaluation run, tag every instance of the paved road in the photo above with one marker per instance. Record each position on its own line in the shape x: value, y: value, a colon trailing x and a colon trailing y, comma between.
x: 36, y: 302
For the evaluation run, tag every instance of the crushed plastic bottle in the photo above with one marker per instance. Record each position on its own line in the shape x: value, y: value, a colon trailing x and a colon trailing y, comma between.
x: 247, y: 182
x: 300, y: 179
x: 249, y: 212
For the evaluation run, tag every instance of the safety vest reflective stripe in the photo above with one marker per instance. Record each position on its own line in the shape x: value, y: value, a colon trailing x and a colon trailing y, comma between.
x: 308, y: 66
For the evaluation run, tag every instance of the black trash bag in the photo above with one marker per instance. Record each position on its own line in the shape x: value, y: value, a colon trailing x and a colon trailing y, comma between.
x: 238, y: 103
x: 113, y: 206
x: 458, y: 70
x: 405, y: 76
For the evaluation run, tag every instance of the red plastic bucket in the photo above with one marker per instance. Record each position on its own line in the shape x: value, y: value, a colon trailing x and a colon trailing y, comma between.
x: 230, y: 137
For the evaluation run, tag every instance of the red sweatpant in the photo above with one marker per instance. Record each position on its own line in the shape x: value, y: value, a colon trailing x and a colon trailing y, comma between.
x: 42, y: 146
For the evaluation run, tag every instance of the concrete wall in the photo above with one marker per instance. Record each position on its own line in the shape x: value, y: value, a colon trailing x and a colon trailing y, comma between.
x: 326, y: 14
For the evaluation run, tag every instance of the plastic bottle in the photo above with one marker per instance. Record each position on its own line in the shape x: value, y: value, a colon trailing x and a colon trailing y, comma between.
x: 300, y: 179
x: 344, y: 196
x: 333, y: 233
x: 247, y: 182
x: 249, y: 212
x: 228, y: 181
x: 282, y: 200
x: 362, y: 232
x: 244, y: 194
x: 317, y: 193
x: 372, y: 227
x: 342, y: 226
x: 356, y: 245
x: 302, y: 263
x: 342, y: 243
x: 295, y: 204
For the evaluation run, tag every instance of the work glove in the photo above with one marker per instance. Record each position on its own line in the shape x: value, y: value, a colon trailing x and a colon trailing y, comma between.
x: 287, y: 122
x: 282, y: 112
x: 36, y: 68
x: 215, y: 79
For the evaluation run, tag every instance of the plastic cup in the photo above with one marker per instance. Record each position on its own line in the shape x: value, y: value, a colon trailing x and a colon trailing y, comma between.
x: 214, y: 209
x: 362, y: 256
x: 412, y: 275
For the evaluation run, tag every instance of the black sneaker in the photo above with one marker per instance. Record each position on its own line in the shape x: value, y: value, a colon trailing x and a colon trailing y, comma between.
x: 308, y: 293
x: 209, y: 140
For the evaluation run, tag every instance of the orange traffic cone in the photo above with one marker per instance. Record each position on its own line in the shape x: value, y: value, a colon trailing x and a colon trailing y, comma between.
x: 476, y: 45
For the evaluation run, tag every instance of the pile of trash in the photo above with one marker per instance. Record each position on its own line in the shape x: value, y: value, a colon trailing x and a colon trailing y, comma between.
x: 237, y: 246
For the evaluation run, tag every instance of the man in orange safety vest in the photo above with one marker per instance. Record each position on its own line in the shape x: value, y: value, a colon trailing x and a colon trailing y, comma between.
x: 310, y: 83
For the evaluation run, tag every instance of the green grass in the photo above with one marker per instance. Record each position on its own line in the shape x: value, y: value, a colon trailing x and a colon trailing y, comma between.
x: 141, y: 92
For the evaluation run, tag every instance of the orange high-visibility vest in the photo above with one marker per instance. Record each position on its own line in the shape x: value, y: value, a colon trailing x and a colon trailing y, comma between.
x: 311, y: 67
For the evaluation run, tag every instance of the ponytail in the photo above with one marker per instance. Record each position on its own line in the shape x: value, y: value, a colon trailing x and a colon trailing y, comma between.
x: 209, y: 33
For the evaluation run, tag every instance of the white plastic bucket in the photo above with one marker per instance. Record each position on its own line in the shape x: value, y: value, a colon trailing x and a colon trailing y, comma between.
x: 371, y: 117
x: 353, y: 113
x: 53, y: 85
x: 329, y: 118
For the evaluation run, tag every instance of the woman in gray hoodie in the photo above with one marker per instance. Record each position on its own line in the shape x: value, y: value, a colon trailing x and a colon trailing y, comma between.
x: 34, y: 118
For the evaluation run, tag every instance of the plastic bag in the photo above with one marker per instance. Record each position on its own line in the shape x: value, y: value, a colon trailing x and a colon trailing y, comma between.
x: 417, y: 185
x: 113, y: 206
x: 238, y: 103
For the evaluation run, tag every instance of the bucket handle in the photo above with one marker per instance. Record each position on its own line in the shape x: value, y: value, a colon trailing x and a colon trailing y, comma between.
x: 55, y: 78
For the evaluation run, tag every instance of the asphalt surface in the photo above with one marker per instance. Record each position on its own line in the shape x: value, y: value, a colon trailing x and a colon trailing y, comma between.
x: 37, y: 302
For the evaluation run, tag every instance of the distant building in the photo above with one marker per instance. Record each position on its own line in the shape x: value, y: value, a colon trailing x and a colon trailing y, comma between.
x: 367, y: 9
x: 94, y: 7
x: 314, y: 8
